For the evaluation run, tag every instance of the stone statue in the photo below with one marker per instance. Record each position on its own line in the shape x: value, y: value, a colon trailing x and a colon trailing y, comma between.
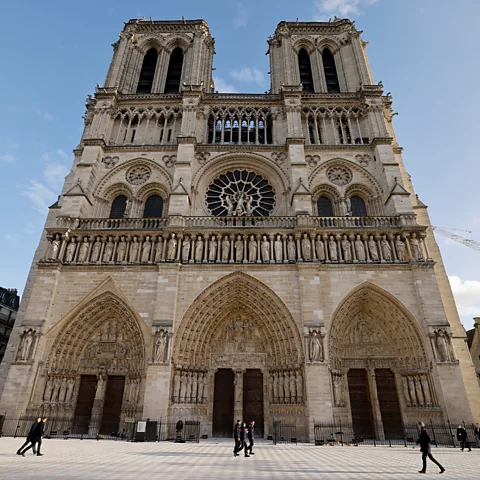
x: 128, y: 209
x: 278, y: 248
x: 338, y: 390
x: 372, y: 248
x: 426, y: 391
x: 332, y: 246
x: 291, y: 249
x: 108, y: 252
x: 47, y: 395
x: 71, y: 251
x: 186, y: 245
x: 347, y: 249
x: 442, y: 346
x: 70, y: 387
x: 320, y: 249
x: 411, y: 389
x: 348, y: 206
x: 248, y: 205
x: 160, y: 347
x: 360, y: 249
x: 416, y: 249
x: 121, y: 249
x: 299, y: 381
x: 101, y: 384
x: 315, y: 347
x: 418, y: 390
x: 55, y: 248
x: 172, y: 247
x: 239, y: 249
x: 212, y: 252
x: 386, y: 250
x: 199, y: 249
x: 275, y: 388
x: 82, y: 256
x: 293, y: 388
x: 159, y: 250
x: 225, y: 248
x: 177, y: 386
x: 406, y: 393
x: 252, y: 249
x: 265, y: 247
x: 63, y: 390
x: 147, y: 248
x: 133, y: 254
x: 56, y: 388
x: 97, y: 246
x: 286, y: 387
x: 306, y: 248
x: 25, y: 347
x: 400, y: 246
x: 240, y: 210
x: 228, y: 201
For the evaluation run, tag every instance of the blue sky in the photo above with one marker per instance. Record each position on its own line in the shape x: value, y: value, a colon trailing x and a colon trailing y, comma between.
x: 425, y: 52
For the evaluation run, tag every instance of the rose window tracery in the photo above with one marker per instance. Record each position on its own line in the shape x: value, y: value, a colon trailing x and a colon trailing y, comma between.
x: 339, y: 175
x: 138, y: 175
x: 240, y: 193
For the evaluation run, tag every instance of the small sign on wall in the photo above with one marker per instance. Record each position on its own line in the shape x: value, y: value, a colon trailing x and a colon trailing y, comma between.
x: 141, y: 427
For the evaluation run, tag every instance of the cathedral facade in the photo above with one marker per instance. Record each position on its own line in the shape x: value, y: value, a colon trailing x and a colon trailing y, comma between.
x: 220, y: 256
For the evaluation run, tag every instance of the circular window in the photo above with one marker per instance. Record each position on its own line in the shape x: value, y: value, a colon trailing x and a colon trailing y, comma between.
x: 240, y: 193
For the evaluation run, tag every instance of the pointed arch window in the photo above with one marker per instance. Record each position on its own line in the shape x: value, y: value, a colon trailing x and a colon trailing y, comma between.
x: 174, y: 73
x: 305, y: 68
x: 153, y: 207
x: 118, y: 207
x: 331, y: 77
x: 359, y: 208
x: 147, y: 73
x: 324, y: 207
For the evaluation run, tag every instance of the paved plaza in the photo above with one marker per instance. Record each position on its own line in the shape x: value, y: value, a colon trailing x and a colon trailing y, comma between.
x: 213, y: 459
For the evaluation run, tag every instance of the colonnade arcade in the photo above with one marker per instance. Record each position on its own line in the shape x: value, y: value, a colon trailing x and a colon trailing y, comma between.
x: 380, y: 375
x: 238, y: 354
x: 95, y: 366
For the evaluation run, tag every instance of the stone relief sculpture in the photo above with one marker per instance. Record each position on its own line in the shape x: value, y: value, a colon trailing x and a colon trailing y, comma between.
x: 416, y: 249
x: 121, y: 250
x: 306, y: 248
x: 72, y: 246
x: 186, y: 245
x: 55, y: 250
x: 265, y: 248
x: 332, y: 247
x: 82, y: 256
x: 199, y: 249
x: 347, y: 249
x: 97, y: 246
x: 212, y: 253
x: 360, y: 249
x: 315, y: 347
x: 320, y: 248
x: 386, y: 250
x: 372, y: 248
x: 172, y: 247
x: 108, y: 252
x: 146, y: 249
x: 339, y: 390
x: 26, y: 346
x: 252, y: 249
x: 278, y: 248
x: 291, y: 249
x: 159, y: 250
x: 133, y: 254
x: 400, y: 246
x: 239, y: 249
x: 160, y: 351
x: 442, y: 341
x: 225, y: 248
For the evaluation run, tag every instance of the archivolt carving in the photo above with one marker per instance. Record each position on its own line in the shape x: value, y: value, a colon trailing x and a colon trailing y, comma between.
x: 117, y: 189
x: 370, y: 325
x: 230, y: 297
x: 302, y: 42
x: 104, y: 333
x: 178, y: 40
x: 152, y: 189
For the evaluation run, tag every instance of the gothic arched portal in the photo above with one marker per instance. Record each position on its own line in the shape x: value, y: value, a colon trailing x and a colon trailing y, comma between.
x: 238, y: 324
x: 378, y: 363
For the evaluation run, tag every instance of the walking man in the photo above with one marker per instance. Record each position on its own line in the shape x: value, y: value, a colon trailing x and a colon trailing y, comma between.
x: 236, y: 436
x: 425, y: 447
x: 251, y: 436
x: 29, y: 437
x: 243, y: 439
x: 462, y: 438
x: 477, y: 433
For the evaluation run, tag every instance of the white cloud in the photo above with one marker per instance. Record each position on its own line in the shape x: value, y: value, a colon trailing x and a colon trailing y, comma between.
x: 8, y: 157
x: 40, y: 195
x: 48, y: 116
x: 248, y: 75
x: 222, y: 86
x: 467, y: 297
x: 10, y: 238
x: 55, y: 174
x: 62, y: 154
x: 242, y: 17
x: 326, y: 9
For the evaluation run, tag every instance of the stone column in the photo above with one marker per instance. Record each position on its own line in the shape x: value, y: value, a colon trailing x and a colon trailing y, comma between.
x: 238, y: 394
x: 377, y: 416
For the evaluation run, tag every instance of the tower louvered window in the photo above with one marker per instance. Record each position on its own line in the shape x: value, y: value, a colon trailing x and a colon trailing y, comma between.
x: 174, y: 73
x: 305, y: 68
x: 147, y: 73
x: 330, y: 69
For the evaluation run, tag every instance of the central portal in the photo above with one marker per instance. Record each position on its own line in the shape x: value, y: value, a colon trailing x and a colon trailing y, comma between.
x: 229, y: 387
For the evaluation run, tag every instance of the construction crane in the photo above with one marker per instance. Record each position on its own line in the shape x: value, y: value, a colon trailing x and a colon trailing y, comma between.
x: 458, y: 238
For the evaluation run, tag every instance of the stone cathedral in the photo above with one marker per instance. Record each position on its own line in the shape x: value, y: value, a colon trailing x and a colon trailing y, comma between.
x: 220, y: 256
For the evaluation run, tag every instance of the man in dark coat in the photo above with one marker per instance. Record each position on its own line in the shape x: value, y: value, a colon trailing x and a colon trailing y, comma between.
x: 236, y: 436
x: 251, y: 436
x: 462, y: 438
x: 424, y: 442
x: 29, y: 437
x: 243, y: 438
x: 477, y: 433
x: 37, y: 435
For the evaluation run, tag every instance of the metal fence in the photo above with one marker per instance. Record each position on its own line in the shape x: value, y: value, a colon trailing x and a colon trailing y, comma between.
x: 340, y: 433
x: 91, y: 428
x: 284, y: 432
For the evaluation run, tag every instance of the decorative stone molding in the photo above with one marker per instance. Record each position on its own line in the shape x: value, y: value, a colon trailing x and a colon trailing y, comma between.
x: 27, y: 345
x: 138, y: 175
x: 363, y: 159
x: 279, y: 157
x: 202, y: 157
x: 169, y: 160
x: 109, y: 161
x: 340, y: 176
x: 312, y: 160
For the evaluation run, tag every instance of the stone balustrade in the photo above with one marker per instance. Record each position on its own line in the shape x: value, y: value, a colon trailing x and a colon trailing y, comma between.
x: 237, y: 246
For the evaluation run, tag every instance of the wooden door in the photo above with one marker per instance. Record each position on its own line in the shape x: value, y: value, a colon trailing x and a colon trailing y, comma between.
x: 83, y: 409
x: 253, y: 399
x: 389, y: 405
x: 360, y: 404
x: 223, y: 399
x: 112, y: 406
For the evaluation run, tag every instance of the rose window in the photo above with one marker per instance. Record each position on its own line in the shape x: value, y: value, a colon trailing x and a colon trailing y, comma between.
x: 240, y: 193
x: 138, y: 175
x: 339, y: 175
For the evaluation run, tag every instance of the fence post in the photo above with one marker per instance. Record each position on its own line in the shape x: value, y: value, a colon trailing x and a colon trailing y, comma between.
x: 433, y: 431
x: 451, y: 434
x: 341, y: 431
x: 16, y: 429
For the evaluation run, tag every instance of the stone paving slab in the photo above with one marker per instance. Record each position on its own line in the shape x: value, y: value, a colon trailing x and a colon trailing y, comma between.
x: 212, y: 459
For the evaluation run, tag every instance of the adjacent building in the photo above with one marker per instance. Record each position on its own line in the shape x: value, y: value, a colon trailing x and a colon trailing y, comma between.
x: 473, y: 340
x: 9, y: 301
x: 220, y: 256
